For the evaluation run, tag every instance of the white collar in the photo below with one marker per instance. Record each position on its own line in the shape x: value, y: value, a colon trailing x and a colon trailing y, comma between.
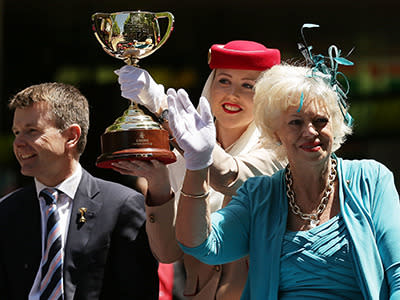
x: 69, y: 186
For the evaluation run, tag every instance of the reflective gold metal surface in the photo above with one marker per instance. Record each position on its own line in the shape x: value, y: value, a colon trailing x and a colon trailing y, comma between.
x: 131, y: 36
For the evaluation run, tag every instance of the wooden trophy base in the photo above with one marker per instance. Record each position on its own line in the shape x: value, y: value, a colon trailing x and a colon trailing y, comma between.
x: 135, y: 144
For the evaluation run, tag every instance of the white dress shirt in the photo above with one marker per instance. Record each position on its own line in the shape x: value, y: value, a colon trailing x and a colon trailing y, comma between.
x: 64, y: 204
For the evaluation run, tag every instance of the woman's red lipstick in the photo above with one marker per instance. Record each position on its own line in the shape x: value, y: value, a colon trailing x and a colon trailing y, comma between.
x: 311, y: 147
x: 231, y: 108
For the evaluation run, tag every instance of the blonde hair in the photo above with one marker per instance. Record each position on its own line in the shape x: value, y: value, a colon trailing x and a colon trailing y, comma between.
x: 281, y: 87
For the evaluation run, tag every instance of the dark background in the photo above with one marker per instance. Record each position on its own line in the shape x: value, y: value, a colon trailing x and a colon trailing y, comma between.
x: 43, y: 41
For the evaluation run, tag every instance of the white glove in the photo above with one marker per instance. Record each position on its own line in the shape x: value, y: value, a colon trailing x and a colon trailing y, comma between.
x: 138, y: 86
x: 194, y: 132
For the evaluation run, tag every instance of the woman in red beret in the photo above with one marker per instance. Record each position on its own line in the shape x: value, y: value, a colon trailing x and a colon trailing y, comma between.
x: 237, y: 156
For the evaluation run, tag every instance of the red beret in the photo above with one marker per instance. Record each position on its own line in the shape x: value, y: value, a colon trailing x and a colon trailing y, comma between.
x: 244, y: 55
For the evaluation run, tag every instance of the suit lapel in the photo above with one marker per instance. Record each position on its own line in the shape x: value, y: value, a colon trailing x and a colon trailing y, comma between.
x: 79, y: 232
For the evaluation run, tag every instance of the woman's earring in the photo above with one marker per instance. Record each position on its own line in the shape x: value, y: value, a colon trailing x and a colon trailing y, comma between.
x: 278, y: 143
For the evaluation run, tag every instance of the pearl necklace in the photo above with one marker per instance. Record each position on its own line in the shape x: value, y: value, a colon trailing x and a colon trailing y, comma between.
x: 313, y: 218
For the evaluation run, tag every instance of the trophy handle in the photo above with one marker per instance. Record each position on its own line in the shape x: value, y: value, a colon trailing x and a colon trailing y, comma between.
x: 169, y: 29
x: 103, y: 15
x: 97, y: 26
x: 99, y: 21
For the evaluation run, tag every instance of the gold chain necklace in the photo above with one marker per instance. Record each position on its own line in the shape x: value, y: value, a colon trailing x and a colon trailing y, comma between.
x: 313, y: 218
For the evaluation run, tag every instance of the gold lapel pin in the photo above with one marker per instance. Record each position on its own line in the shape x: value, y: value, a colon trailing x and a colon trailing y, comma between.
x: 82, y: 210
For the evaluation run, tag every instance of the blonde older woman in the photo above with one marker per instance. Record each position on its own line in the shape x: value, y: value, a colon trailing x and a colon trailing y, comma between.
x: 323, y: 228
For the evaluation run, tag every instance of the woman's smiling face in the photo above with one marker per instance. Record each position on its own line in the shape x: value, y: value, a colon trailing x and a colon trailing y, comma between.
x: 306, y: 134
x: 232, y: 97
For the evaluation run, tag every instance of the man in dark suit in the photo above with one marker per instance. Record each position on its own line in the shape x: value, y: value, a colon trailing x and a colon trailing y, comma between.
x: 88, y: 241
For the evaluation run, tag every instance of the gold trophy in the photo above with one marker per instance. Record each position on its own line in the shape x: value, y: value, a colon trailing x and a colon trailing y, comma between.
x: 130, y: 36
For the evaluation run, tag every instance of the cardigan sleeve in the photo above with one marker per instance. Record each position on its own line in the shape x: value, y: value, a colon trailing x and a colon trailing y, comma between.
x: 386, y: 211
x: 229, y: 236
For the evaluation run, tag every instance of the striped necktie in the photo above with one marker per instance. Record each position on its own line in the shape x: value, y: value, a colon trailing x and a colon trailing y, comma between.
x: 51, y: 284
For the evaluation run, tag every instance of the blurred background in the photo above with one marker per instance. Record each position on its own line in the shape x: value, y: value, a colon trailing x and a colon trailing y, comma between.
x: 42, y: 41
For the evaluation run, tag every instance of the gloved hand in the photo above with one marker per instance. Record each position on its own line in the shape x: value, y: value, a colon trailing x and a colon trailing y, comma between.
x: 139, y: 86
x: 194, y: 132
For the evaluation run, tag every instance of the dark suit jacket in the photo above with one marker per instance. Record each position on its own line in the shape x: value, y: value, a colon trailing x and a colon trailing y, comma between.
x: 107, y: 257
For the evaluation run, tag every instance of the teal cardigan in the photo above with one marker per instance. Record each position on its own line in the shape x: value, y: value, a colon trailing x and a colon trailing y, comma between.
x: 254, y: 223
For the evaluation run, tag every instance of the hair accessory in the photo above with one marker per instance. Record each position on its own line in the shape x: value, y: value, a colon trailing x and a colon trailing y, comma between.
x: 301, y: 102
x: 243, y: 55
x: 328, y: 72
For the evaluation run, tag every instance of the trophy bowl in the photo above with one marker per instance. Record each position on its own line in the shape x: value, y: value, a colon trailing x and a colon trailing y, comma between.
x: 131, y: 36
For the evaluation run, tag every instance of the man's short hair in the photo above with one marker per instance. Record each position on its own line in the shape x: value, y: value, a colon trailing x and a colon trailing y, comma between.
x: 67, y: 104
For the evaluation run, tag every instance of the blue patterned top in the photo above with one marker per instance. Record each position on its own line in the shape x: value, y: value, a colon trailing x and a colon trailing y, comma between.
x: 317, y: 264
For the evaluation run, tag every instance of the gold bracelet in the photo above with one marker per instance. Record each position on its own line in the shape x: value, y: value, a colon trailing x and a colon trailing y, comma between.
x: 204, y: 195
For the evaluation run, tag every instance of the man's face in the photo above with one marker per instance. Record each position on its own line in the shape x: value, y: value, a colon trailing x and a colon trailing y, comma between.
x: 39, y: 146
